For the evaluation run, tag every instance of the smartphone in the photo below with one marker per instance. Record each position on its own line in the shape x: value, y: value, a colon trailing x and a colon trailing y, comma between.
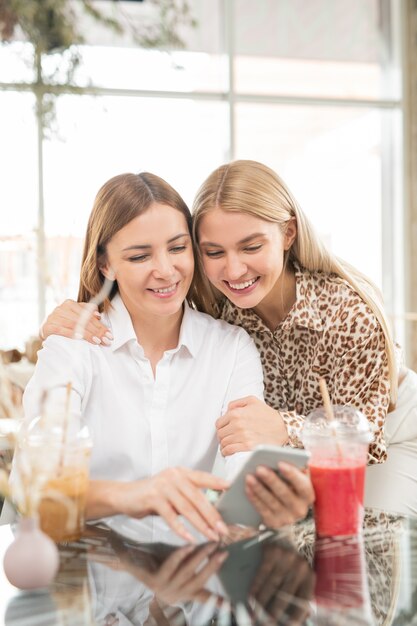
x: 233, y: 505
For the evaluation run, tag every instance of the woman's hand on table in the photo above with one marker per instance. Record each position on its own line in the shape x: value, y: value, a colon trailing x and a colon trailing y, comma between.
x: 172, y: 493
x: 279, y: 501
x: 247, y: 423
x: 63, y: 321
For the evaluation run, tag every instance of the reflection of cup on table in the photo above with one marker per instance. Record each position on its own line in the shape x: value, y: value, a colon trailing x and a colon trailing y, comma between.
x: 339, y: 564
x: 337, y: 468
x: 341, y: 579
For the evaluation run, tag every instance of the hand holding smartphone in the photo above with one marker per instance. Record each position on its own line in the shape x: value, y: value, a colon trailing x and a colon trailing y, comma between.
x: 233, y: 505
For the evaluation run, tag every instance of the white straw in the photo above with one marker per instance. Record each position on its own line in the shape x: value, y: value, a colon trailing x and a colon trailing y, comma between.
x: 326, y: 400
x: 97, y: 299
x: 328, y: 409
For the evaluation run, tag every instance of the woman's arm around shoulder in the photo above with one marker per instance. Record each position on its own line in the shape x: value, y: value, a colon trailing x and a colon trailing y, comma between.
x: 63, y: 321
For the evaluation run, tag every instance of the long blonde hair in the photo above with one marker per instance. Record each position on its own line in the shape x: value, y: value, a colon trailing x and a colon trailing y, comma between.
x: 253, y: 188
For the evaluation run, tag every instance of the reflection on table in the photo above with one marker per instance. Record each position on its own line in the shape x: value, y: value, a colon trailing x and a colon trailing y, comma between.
x: 256, y: 578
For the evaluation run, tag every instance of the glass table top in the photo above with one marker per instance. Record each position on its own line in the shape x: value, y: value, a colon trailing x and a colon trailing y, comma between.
x: 112, y: 578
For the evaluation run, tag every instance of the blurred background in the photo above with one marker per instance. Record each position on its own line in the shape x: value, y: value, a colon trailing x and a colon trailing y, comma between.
x: 323, y: 91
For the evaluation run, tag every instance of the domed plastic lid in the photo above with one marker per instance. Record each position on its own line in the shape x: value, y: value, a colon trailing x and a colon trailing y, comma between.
x: 348, y: 423
x: 57, y: 429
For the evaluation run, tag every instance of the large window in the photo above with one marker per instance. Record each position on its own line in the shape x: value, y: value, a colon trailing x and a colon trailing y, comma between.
x: 311, y: 89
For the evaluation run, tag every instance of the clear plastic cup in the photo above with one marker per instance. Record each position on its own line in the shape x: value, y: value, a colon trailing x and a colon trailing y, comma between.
x: 55, y: 460
x: 339, y: 450
x: 63, y: 497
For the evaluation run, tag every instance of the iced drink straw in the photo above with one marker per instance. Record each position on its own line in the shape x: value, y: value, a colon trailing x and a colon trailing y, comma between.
x: 329, y: 412
x: 98, y: 299
x: 65, y: 424
x: 78, y: 334
x: 326, y: 401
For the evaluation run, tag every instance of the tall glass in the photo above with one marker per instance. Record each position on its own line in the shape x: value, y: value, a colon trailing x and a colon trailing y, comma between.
x: 58, y: 452
x: 337, y: 465
x: 63, y: 497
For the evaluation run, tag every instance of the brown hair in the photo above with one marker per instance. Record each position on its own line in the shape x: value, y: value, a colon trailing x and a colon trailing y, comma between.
x: 118, y: 202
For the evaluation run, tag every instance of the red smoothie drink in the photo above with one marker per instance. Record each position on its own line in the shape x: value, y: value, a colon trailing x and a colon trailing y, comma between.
x: 339, y: 451
x: 338, y: 487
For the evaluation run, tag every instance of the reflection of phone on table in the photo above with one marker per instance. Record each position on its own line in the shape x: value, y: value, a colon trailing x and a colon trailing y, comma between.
x: 233, y: 505
x: 240, y: 568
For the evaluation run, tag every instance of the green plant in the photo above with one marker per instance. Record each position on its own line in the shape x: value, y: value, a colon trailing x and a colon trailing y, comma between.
x: 53, y: 28
x: 54, y: 25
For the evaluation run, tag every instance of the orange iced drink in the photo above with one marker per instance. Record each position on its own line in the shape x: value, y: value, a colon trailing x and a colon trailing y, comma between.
x: 62, y: 505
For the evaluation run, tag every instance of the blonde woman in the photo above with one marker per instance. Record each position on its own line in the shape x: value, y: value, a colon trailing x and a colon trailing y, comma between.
x: 310, y: 314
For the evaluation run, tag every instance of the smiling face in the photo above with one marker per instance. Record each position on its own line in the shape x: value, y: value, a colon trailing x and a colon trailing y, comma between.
x: 243, y: 256
x: 152, y: 258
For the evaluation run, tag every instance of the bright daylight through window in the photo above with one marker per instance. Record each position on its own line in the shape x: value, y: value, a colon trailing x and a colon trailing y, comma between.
x: 311, y: 89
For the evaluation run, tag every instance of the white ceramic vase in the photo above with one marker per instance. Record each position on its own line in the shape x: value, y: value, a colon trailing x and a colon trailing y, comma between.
x: 32, y: 559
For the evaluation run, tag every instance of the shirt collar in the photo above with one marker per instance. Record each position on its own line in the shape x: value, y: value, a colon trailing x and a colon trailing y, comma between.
x: 120, y: 323
x: 123, y: 332
x: 304, y: 312
x: 188, y: 338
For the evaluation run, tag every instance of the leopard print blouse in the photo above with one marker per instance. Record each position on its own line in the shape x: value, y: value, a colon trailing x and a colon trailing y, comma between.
x: 331, y: 333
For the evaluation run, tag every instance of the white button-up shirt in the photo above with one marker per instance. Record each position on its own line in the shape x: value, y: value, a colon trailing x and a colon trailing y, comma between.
x: 143, y: 424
